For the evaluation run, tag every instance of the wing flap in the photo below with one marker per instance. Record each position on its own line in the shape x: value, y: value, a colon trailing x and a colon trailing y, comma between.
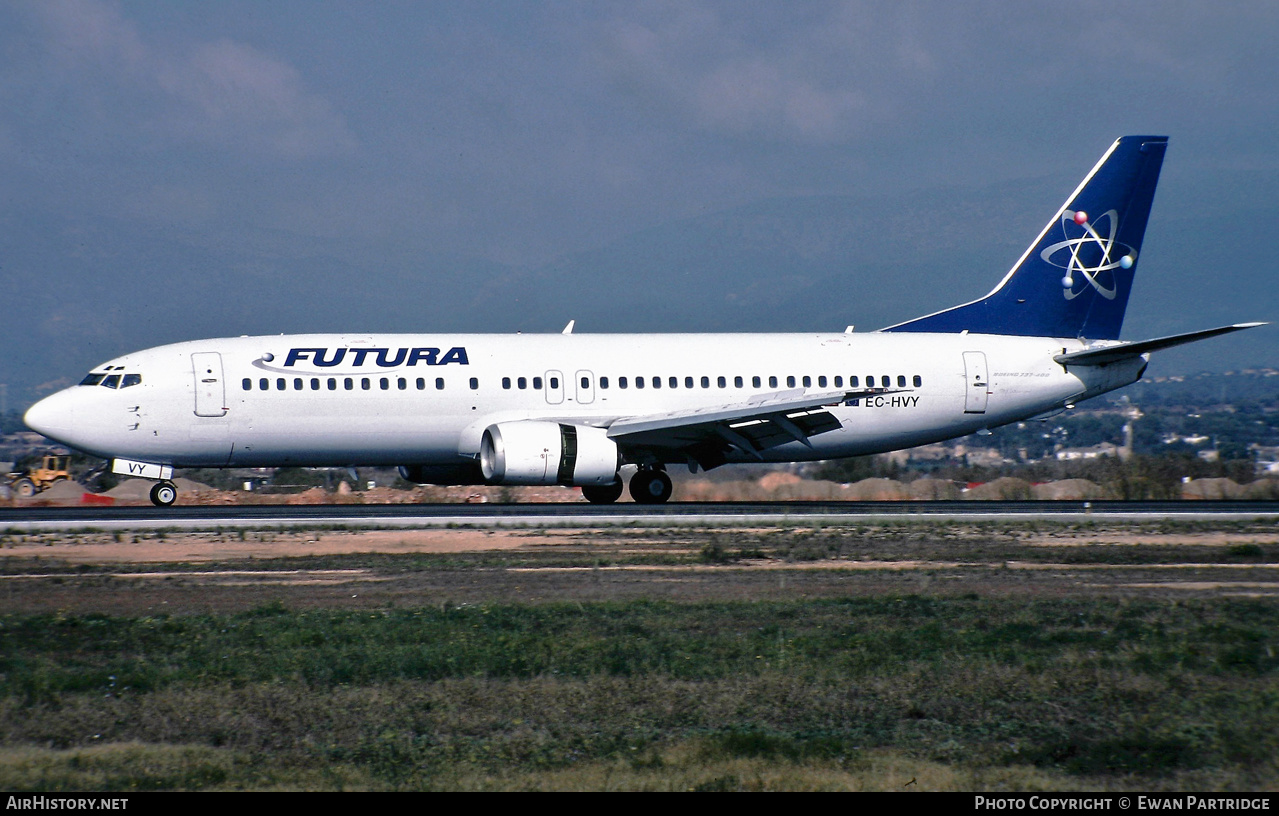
x: 762, y: 422
x: 778, y: 429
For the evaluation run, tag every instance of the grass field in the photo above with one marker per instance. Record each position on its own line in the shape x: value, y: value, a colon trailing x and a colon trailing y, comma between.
x: 926, y: 656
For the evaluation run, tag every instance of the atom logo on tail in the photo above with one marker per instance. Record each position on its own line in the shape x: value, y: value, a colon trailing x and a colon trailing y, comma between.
x: 1090, y: 258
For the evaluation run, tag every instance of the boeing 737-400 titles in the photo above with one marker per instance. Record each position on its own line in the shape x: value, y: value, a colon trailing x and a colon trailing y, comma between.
x: 575, y: 409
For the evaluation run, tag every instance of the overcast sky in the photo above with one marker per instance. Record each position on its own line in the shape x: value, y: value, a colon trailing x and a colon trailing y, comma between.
x: 518, y: 132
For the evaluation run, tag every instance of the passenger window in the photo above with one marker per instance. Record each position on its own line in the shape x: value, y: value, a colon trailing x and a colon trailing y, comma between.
x: 674, y: 382
x: 421, y: 383
x: 315, y: 383
x: 722, y: 382
x: 821, y: 382
x: 555, y: 383
x: 439, y: 383
x: 808, y: 381
x: 365, y: 384
x: 92, y: 379
x: 475, y: 384
x: 839, y: 381
x: 737, y: 382
x: 790, y: 382
x: 755, y: 382
x: 603, y: 382
x: 639, y: 382
x: 248, y: 384
x: 281, y: 384
x: 586, y: 382
x: 264, y: 384
x: 772, y: 382
x: 297, y: 383
x: 402, y: 383
x: 522, y: 383
x: 657, y: 382
x: 385, y: 384
x: 506, y: 383
x: 621, y: 382
x: 348, y: 384
x: 870, y: 381
x: 852, y: 381
x: 333, y: 383
x: 885, y: 381
x: 688, y: 382
x: 918, y: 381
x: 901, y: 381
x: 537, y: 383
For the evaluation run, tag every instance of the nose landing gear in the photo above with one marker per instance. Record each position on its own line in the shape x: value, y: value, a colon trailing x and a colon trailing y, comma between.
x: 164, y: 494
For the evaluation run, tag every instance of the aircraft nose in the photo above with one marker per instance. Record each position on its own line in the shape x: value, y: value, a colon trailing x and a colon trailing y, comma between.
x: 53, y: 416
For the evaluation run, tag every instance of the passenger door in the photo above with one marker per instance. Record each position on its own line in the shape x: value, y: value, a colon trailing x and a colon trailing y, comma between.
x: 210, y: 390
x: 978, y: 382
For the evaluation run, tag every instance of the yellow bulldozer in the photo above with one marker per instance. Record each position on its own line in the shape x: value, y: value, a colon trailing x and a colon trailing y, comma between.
x: 52, y: 469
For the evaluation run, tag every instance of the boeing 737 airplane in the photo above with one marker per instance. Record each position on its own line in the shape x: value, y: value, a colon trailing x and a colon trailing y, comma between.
x: 573, y: 409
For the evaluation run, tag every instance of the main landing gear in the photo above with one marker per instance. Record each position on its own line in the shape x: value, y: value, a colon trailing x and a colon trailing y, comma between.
x: 603, y: 494
x: 164, y: 494
x: 648, y: 486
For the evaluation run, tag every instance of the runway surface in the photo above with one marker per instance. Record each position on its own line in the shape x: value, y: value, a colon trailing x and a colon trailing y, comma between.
x: 677, y: 514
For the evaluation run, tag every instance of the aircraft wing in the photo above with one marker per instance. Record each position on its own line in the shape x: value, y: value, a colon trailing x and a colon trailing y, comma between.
x: 764, y: 421
x: 1123, y: 351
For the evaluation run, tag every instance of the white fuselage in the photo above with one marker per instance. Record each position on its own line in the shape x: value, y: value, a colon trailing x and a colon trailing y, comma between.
x: 343, y: 400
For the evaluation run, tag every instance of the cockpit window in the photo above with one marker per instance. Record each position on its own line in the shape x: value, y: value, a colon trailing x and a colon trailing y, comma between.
x: 113, y: 381
x: 92, y: 379
x: 130, y: 379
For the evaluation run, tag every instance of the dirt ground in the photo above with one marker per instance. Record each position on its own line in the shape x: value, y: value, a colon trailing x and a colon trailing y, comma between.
x: 204, y: 547
x: 1122, y: 537
x: 181, y: 573
x: 105, y: 548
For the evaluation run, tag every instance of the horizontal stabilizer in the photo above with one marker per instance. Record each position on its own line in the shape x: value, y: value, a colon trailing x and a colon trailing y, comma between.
x: 1126, y: 351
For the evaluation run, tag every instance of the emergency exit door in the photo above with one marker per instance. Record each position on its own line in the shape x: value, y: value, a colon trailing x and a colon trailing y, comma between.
x: 554, y: 387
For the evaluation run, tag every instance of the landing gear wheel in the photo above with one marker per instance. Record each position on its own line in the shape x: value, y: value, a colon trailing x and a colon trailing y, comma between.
x: 164, y: 494
x: 602, y: 494
x: 25, y: 488
x: 650, y: 487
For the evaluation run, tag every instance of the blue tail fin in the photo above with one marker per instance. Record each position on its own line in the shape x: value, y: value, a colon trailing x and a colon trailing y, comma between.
x: 1074, y: 280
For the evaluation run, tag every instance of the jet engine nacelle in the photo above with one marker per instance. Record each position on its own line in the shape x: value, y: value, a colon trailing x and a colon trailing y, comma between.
x: 532, y: 452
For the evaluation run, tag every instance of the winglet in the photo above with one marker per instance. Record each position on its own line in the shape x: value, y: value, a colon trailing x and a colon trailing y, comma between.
x: 569, y: 328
